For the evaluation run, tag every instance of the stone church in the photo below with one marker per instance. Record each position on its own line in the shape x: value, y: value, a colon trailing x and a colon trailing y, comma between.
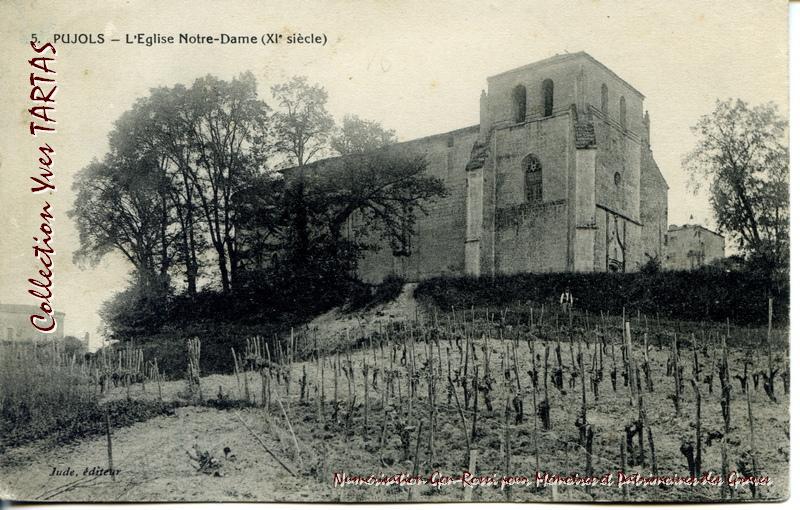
x: 558, y: 176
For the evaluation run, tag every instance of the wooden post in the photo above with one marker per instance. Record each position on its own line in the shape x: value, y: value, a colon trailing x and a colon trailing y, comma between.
x: 108, y: 443
x: 623, y: 460
x: 158, y: 379
x: 589, y: 441
x: 460, y: 412
x: 468, y: 489
x: 770, y: 382
x: 584, y: 423
x: 415, y: 470
x: 365, y: 372
x: 269, y: 378
x: 291, y: 430
x: 535, y: 408
x: 698, y: 433
x: 647, y: 370
x: 263, y: 373
x: 507, y: 447
x: 676, y: 373
x: 752, y: 432
x: 630, y: 362
x: 236, y: 370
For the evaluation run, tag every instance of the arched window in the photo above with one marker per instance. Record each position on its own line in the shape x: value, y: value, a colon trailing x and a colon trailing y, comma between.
x: 547, y: 97
x: 623, y: 113
x: 520, y: 97
x: 604, y: 99
x: 533, y: 179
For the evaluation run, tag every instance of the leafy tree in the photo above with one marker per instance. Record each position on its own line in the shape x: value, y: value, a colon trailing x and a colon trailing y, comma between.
x: 227, y: 127
x: 121, y: 204
x: 153, y: 125
x: 742, y: 156
x: 301, y: 122
x: 379, y: 192
x: 360, y: 136
x: 302, y: 128
x: 257, y: 216
x: 205, y: 144
x: 136, y: 311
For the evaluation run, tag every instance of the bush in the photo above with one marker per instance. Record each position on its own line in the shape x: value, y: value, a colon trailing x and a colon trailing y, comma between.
x: 706, y: 294
x: 86, y: 420
x: 369, y: 296
x: 216, y: 341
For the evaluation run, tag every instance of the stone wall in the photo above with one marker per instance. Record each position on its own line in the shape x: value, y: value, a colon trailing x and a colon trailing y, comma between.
x: 546, y: 139
x: 692, y: 246
x: 617, y: 153
x: 437, y: 247
x: 653, y: 208
x: 598, y: 75
x: 532, y: 237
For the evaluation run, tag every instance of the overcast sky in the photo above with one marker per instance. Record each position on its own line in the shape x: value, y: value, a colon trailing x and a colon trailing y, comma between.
x: 417, y: 67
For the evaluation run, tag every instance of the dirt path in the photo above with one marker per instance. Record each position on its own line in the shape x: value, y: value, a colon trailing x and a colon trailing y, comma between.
x: 154, y: 466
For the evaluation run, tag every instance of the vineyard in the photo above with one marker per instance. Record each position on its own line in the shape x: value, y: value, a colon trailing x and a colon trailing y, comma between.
x: 503, y: 394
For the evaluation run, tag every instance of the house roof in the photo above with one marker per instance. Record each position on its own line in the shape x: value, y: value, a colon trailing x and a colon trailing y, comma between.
x: 687, y: 226
x: 14, y: 308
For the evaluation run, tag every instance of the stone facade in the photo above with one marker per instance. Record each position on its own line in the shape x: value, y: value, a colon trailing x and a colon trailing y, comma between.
x: 692, y: 246
x: 15, y: 324
x: 558, y: 176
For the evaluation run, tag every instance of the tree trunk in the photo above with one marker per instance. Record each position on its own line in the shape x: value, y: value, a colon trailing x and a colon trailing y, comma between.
x: 223, y: 267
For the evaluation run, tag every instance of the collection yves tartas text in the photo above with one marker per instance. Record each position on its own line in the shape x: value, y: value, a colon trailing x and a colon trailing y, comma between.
x: 42, y: 124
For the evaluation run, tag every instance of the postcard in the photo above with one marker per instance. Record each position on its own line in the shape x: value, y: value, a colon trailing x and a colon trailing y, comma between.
x: 338, y: 251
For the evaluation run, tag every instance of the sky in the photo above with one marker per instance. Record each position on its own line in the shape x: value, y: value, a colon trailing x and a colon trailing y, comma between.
x: 416, y: 67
